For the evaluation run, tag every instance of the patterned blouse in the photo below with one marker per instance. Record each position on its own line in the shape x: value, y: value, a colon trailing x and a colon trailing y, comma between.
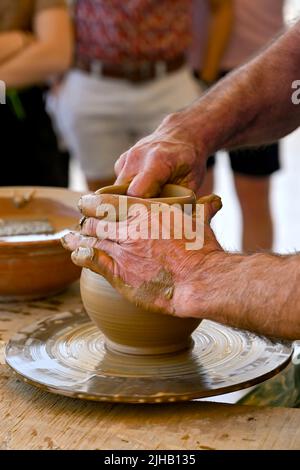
x: 116, y: 30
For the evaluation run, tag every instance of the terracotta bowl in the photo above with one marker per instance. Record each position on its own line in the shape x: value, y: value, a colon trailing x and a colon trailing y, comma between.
x: 127, y: 328
x: 35, y: 266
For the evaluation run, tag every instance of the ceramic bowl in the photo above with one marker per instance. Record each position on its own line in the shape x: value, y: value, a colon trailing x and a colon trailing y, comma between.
x: 128, y: 328
x: 35, y: 266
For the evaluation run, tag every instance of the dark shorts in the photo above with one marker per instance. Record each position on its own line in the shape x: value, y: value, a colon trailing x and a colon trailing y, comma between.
x: 259, y: 162
x: 29, y: 151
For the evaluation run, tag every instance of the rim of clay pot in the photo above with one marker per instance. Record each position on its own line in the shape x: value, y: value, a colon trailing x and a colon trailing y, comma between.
x: 64, y: 196
x: 170, y: 194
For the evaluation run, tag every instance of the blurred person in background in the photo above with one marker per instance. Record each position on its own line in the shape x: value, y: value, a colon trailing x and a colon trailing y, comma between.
x: 212, y: 24
x: 130, y: 71
x: 35, y: 47
x: 255, y: 23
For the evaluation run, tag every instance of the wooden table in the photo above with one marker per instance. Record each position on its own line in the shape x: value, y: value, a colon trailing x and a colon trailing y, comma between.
x: 31, y: 419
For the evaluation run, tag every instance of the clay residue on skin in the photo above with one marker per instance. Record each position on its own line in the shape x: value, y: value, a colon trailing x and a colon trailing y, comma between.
x: 148, y: 292
x: 161, y: 284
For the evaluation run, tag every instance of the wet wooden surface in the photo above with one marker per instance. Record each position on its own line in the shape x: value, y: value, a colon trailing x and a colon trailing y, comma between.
x: 31, y: 419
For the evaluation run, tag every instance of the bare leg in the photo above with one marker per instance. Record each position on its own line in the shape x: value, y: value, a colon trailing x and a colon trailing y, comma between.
x: 94, y: 185
x: 253, y: 194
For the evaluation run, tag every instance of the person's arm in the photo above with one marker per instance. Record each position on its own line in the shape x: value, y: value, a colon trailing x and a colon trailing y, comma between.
x: 49, y: 54
x: 13, y: 42
x: 251, y: 106
x: 259, y: 292
x: 218, y: 37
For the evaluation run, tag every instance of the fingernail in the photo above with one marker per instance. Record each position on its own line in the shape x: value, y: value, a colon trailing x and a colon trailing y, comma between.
x: 63, y: 241
x: 83, y: 254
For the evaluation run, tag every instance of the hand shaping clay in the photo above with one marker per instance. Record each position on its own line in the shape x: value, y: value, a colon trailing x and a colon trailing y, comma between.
x: 128, y: 328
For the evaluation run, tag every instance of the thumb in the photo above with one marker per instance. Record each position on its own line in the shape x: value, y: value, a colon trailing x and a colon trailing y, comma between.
x: 146, y: 185
x: 212, y: 205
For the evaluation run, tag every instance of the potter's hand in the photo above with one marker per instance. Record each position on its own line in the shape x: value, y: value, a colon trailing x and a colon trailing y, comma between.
x: 157, y: 274
x: 167, y: 155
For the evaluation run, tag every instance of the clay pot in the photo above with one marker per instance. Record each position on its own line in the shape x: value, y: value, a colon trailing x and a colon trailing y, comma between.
x: 128, y: 328
x: 35, y: 266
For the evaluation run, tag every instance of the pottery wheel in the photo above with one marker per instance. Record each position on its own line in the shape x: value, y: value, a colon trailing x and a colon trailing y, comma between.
x: 66, y: 354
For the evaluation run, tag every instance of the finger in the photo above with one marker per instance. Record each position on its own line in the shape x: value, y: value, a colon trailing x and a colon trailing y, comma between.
x: 103, y: 230
x: 112, y: 207
x: 147, y: 184
x: 123, y: 178
x: 114, y: 189
x: 88, y: 203
x: 106, y: 230
x: 212, y: 204
x: 90, y: 228
x: 129, y: 168
x: 100, y: 205
x: 74, y: 240
x: 119, y: 165
x: 144, y: 180
x: 96, y: 260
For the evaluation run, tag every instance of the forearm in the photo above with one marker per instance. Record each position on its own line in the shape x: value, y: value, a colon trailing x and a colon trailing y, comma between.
x: 38, y: 63
x: 49, y: 54
x: 259, y: 292
x: 12, y: 42
x: 251, y: 106
x: 219, y: 34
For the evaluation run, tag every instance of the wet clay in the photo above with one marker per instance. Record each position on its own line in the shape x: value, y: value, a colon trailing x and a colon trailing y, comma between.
x: 127, y: 327
x: 66, y: 354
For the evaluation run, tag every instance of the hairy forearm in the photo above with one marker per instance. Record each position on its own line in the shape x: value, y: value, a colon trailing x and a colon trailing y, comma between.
x: 259, y: 292
x: 219, y: 34
x: 12, y: 42
x: 251, y: 106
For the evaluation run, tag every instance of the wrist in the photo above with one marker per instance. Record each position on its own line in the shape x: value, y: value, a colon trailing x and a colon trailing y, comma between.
x: 208, y: 294
x: 181, y: 126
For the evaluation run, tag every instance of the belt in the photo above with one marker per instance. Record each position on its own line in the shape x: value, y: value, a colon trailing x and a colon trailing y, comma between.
x: 132, y: 71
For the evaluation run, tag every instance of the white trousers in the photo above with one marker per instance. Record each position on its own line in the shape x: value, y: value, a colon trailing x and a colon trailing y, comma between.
x: 100, y: 118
